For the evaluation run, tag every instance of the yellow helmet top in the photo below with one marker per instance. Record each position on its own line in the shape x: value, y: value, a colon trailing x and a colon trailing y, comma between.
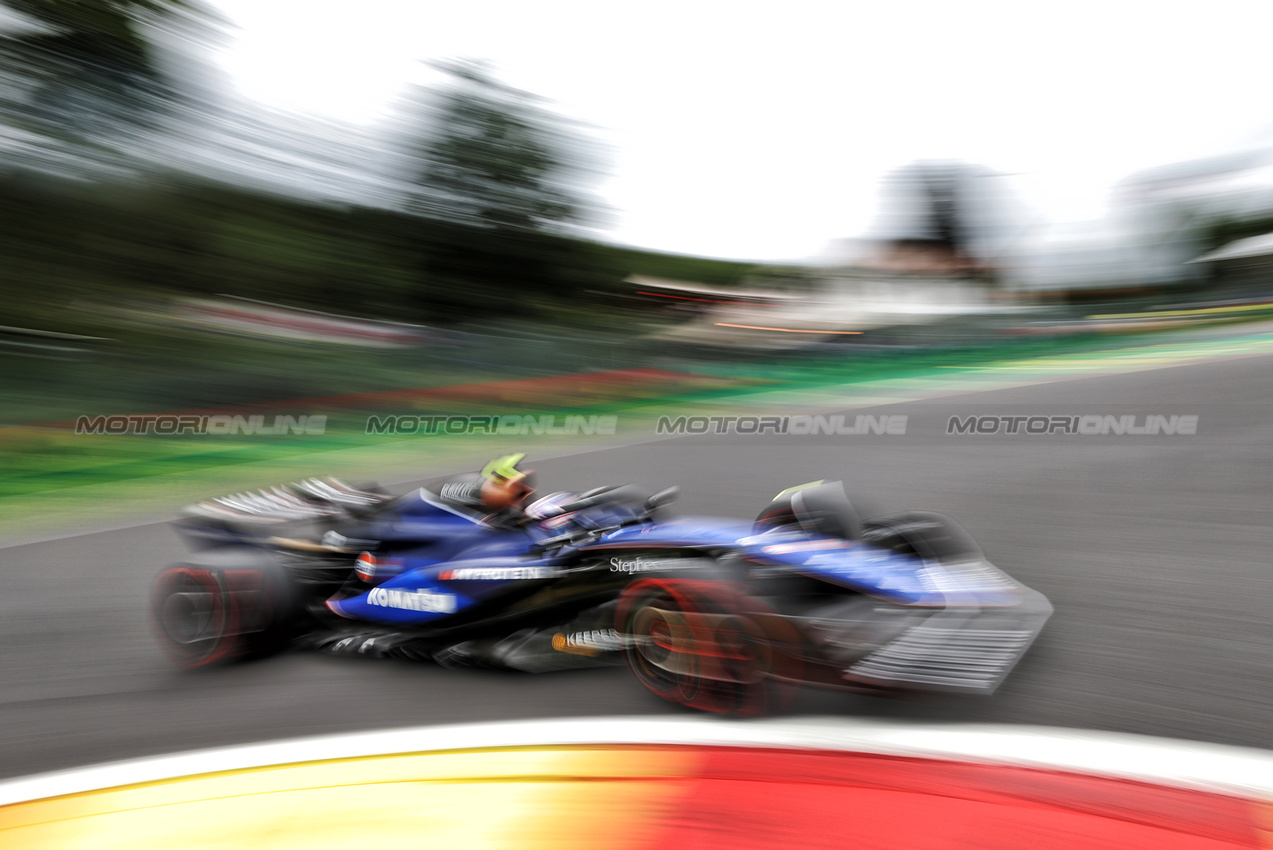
x: 504, y: 467
x: 791, y: 490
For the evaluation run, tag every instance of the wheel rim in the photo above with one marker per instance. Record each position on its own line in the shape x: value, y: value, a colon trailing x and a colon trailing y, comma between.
x: 689, y: 645
x: 187, y: 617
x: 654, y: 649
x: 192, y: 616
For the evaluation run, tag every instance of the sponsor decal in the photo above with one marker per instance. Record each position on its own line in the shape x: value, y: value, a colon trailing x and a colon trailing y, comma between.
x: 496, y: 573
x: 643, y: 565
x: 413, y: 600
x: 590, y: 642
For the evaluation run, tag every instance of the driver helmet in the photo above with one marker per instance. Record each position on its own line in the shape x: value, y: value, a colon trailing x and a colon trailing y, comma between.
x: 504, y: 486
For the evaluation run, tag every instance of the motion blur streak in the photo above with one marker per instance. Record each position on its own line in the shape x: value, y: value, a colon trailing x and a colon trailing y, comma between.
x: 536, y: 798
x: 786, y: 330
x: 766, y: 785
x: 170, y: 250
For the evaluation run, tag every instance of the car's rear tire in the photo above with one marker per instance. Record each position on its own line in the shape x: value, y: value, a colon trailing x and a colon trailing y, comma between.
x: 211, y: 615
x: 193, y: 617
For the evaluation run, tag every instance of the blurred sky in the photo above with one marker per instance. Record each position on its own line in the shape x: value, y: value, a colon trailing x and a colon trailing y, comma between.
x: 761, y: 131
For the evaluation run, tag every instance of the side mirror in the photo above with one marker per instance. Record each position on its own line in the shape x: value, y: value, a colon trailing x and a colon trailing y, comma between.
x: 661, y: 498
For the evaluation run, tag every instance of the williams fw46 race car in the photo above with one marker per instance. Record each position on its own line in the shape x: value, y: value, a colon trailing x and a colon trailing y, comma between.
x: 718, y: 614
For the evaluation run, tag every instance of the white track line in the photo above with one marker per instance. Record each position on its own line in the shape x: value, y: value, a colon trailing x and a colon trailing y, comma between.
x: 1237, y: 771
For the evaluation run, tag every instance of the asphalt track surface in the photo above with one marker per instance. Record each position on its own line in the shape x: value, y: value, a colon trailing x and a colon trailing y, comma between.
x: 1155, y: 551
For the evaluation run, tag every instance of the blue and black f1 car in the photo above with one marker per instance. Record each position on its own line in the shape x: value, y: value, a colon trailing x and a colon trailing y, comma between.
x: 718, y: 614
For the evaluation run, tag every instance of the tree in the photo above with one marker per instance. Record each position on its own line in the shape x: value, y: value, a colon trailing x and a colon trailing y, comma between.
x: 950, y: 214
x: 502, y: 180
x: 83, y: 75
x: 493, y: 158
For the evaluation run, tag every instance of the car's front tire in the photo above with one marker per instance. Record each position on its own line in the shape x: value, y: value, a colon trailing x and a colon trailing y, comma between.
x: 693, y: 643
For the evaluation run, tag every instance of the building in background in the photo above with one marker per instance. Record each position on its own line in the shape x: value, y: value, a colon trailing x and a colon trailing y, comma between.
x: 938, y: 263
